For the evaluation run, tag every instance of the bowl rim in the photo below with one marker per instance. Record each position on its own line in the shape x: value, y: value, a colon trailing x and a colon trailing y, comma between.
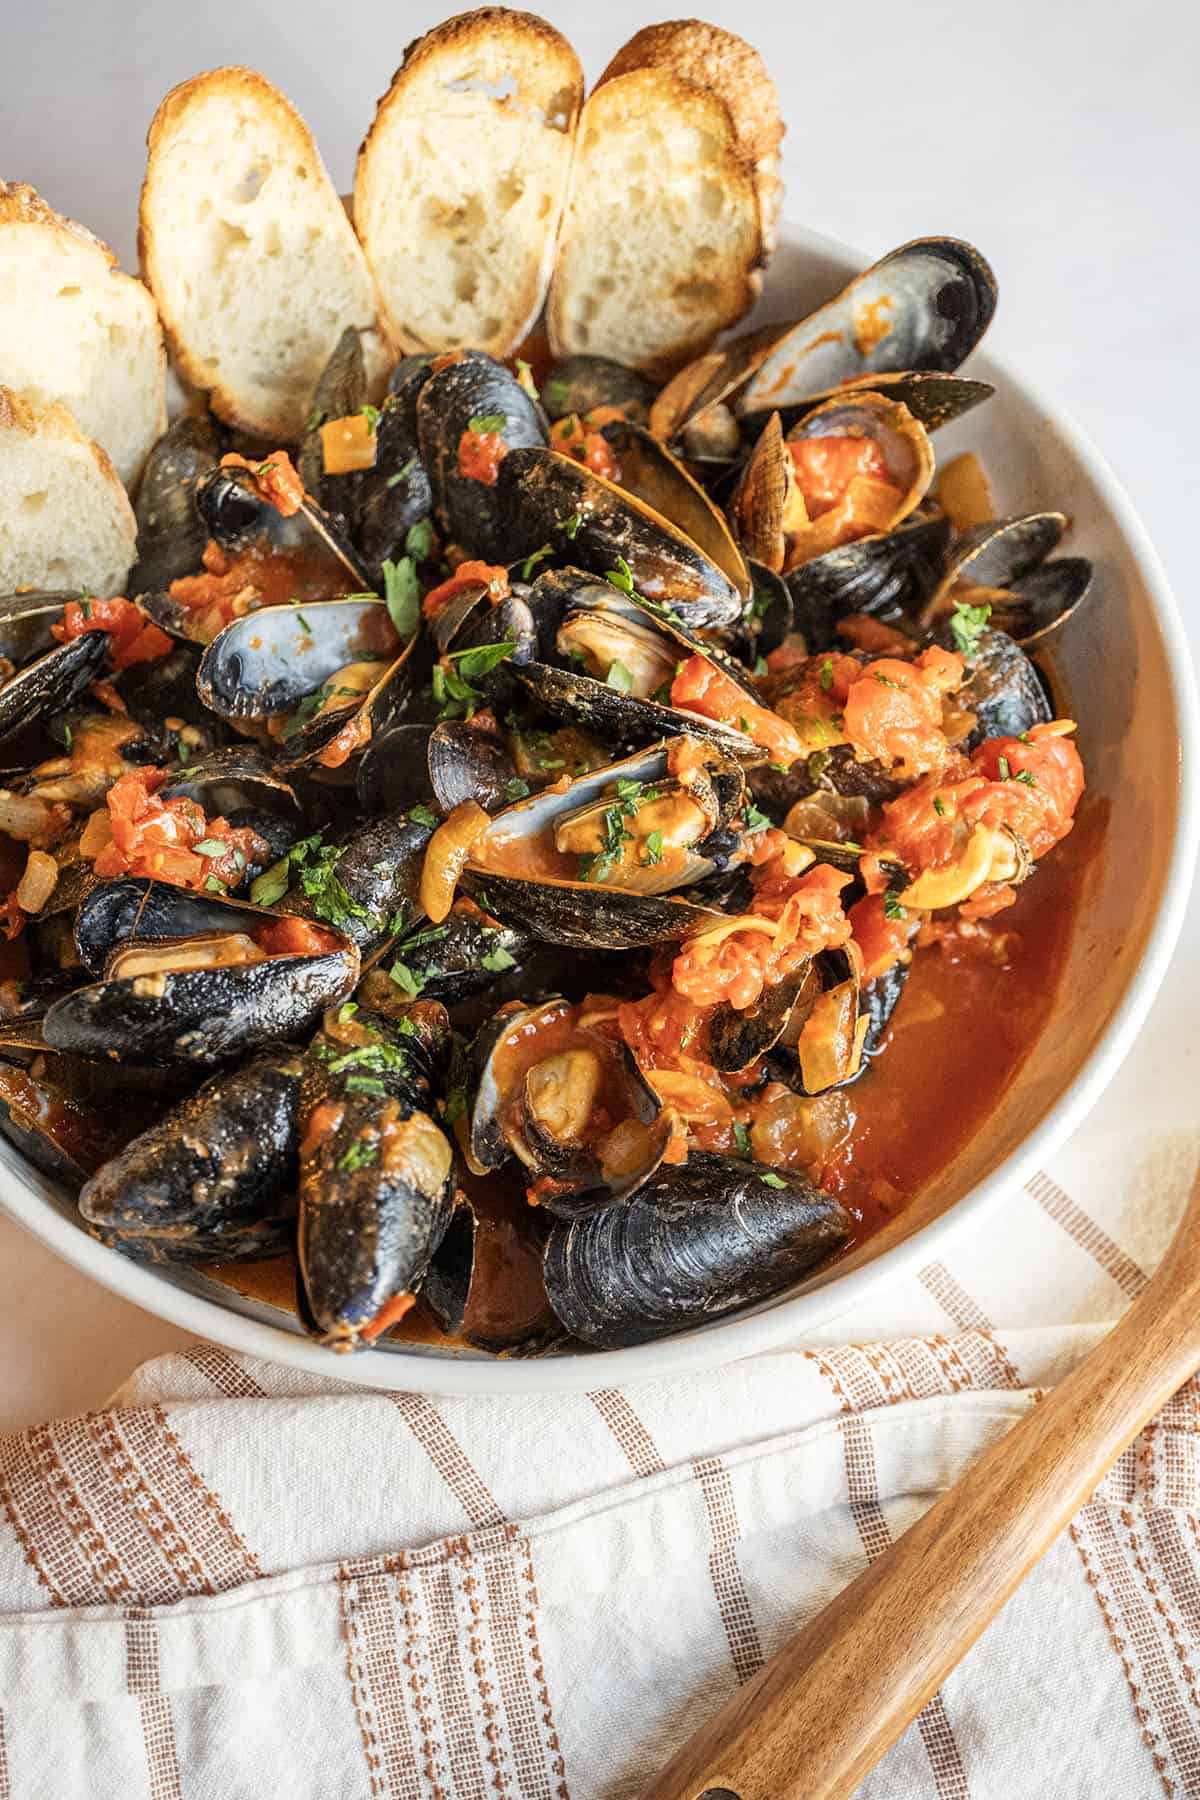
x: 785, y: 1321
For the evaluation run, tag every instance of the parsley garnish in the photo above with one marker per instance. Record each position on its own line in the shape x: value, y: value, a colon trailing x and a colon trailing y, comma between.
x: 652, y: 850
x: 455, y: 1105
x: 401, y: 474
x: 402, y: 594
x: 760, y: 666
x: 886, y: 681
x: 755, y: 820
x: 347, y: 1011
x: 456, y: 697
x: 525, y: 378
x: 315, y: 419
x: 496, y: 961
x: 967, y: 625
x: 515, y: 789
x: 619, y: 677
x: 371, y: 415
x: 214, y: 886
x: 482, y: 658
x: 741, y: 1138
x: 365, y: 1084
x: 377, y: 1058
x: 484, y: 423
x: 211, y: 847
x: 531, y: 562
x: 892, y: 908
x: 418, y: 541
x: 827, y: 674
x: 361, y: 1154
x: 571, y: 525
x: 939, y: 806
x: 303, y: 623
x: 85, y: 604
x: 423, y: 815
x: 308, y: 709
x: 1005, y: 769
x: 406, y: 978
x: 68, y: 737
x: 317, y: 862
x: 1027, y: 776
x: 769, y: 1178
x: 621, y: 577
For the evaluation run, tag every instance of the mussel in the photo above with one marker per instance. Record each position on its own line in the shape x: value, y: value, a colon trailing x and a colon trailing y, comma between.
x: 644, y: 468
x: 242, y: 519
x: 1003, y: 690
x: 171, y: 534
x: 692, y: 1244
x: 1003, y: 565
x: 569, y: 1103
x: 472, y: 416
x: 212, y: 1181
x: 580, y: 384
x: 49, y: 683
x: 341, y: 391
x: 484, y: 1281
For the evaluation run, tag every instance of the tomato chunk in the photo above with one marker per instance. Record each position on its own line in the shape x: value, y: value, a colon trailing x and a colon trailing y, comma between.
x: 171, y: 840
x: 882, y: 940
x: 1032, y: 784
x: 480, y: 454
x: 701, y: 687
x: 825, y: 467
x: 893, y: 712
x: 467, y: 574
x: 133, y: 639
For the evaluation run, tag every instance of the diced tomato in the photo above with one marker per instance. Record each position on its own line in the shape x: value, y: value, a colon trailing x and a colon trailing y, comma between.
x: 1033, y: 785
x: 133, y: 639
x: 700, y: 686
x: 826, y: 466
x: 12, y: 917
x: 801, y: 916
x: 235, y: 585
x: 157, y: 838
x: 918, y: 826
x: 582, y: 439
x: 290, y: 936
x: 883, y: 941
x: 467, y: 574
x: 893, y: 712
x: 480, y: 454
x: 873, y: 636
x: 275, y: 478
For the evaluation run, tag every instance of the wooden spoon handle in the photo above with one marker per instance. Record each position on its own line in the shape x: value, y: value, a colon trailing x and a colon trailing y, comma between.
x: 814, y: 1722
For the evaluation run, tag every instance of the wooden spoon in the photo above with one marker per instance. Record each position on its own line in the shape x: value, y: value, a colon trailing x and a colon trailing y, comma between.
x: 813, y: 1723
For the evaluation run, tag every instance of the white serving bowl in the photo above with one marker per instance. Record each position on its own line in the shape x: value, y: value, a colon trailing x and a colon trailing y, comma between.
x: 1124, y: 665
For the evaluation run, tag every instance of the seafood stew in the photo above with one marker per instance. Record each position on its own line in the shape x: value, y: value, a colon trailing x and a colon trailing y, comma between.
x: 565, y: 911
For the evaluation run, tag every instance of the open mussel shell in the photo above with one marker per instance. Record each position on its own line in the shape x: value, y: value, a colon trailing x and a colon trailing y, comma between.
x: 48, y: 685
x: 645, y: 469
x: 579, y: 384
x: 1003, y: 562
x: 1003, y: 690
x: 902, y: 442
x: 171, y: 534
x: 538, y: 1077
x: 471, y: 619
x: 213, y: 1180
x: 376, y: 1197
x: 737, y: 1038
x: 821, y: 1046
x: 33, y: 1121
x: 694, y: 410
x: 115, y: 912
x: 26, y: 618
x: 934, y: 399
x: 484, y: 1281
x: 203, y: 994
x: 620, y: 719
x: 241, y: 519
x: 883, y: 575
x: 923, y: 306
x: 546, y: 497
x: 519, y: 863
x: 474, y: 387
x: 694, y: 1243
x: 231, y: 778
x: 759, y: 506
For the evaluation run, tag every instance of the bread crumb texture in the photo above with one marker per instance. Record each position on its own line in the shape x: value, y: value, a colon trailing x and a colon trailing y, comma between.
x: 65, y: 518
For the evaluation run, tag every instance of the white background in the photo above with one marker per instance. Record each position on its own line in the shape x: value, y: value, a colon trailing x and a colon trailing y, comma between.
x: 1062, y: 138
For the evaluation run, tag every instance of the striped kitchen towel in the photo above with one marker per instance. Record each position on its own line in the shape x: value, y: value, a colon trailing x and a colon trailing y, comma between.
x: 237, y: 1582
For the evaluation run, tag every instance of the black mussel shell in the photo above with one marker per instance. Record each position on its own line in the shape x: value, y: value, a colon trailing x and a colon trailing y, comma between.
x: 215, y: 1178
x: 231, y: 778
x: 113, y: 912
x: 29, y: 1121
x: 923, y: 306
x: 646, y: 469
x: 463, y: 955
x: 619, y: 719
x: 933, y: 398
x: 267, y: 662
x: 393, y: 774
x: 165, y: 690
x: 171, y: 534
x: 879, y: 1000
x: 202, y: 1016
x: 883, y: 575
x: 549, y: 498
x: 821, y: 1046
x: 49, y: 684
x: 579, y: 384
x: 738, y: 1038
x: 1041, y: 601
x: 696, y: 1242
x: 378, y: 873
x: 1029, y: 596
x: 376, y: 1196
x: 341, y: 390
x: 768, y: 618
x: 1003, y: 689
x: 474, y: 387
x: 467, y: 763
x: 836, y: 771
x: 25, y: 621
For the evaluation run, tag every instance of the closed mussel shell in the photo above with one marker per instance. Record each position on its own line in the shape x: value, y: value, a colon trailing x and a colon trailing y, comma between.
x: 474, y: 396
x: 579, y: 384
x: 215, y: 1178
x: 697, y: 1241
x: 48, y: 685
x: 171, y: 534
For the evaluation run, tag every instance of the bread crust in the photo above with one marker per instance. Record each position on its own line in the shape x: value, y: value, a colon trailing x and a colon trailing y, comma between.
x: 500, y: 35
x: 234, y: 81
x: 636, y: 94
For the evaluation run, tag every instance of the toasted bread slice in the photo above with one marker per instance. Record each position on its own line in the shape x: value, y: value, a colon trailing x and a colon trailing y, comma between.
x: 248, y: 251
x: 74, y: 328
x: 661, y: 234
x: 462, y: 178
x: 728, y: 66
x: 65, y: 518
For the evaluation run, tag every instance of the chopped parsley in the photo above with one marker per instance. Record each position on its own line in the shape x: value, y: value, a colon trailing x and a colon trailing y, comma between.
x: 371, y: 415
x: 315, y: 419
x: 555, y: 393
x: 484, y: 423
x: 827, y: 674
x: 967, y: 625
x: 755, y: 820
x: 760, y: 666
x: 361, y: 1154
x: 939, y: 806
x: 68, y: 737
x: 455, y: 1105
x: 741, y: 1138
x: 267, y: 468
x: 308, y: 709
x: 525, y: 378
x: 1027, y: 776
x: 619, y: 677
x: 531, y: 562
x: 406, y: 979
x: 214, y: 886
x: 892, y: 908
x: 303, y: 623
x: 85, y: 604
x: 481, y: 659
x: 497, y: 960
x: 403, y: 474
x: 515, y: 789
x: 598, y: 865
x: 402, y: 594
x: 621, y: 577
x: 571, y: 525
x: 455, y: 697
x: 418, y: 540
x: 883, y: 680
x: 366, y: 1084
x: 652, y: 850
x: 211, y: 847
x: 316, y: 862
x: 347, y: 1011
x: 1005, y: 769
x: 423, y: 815
x: 376, y: 1058
x: 769, y: 1178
